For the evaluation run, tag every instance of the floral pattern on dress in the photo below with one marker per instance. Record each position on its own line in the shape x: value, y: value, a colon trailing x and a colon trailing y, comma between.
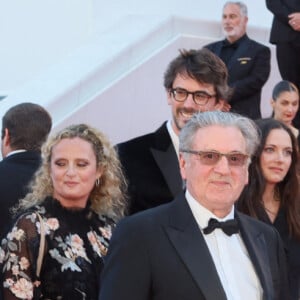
x: 20, y: 283
x: 67, y: 251
x: 72, y: 248
x: 22, y: 288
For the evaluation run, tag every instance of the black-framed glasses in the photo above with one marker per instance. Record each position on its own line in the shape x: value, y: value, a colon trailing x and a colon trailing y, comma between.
x: 210, y: 158
x: 199, y: 97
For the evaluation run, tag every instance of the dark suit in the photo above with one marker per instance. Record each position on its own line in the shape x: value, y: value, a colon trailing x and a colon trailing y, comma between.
x: 16, y: 171
x: 287, y: 41
x: 248, y: 69
x: 152, y: 169
x: 160, y: 254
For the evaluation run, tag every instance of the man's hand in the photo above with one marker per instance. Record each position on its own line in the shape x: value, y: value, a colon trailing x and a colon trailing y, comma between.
x: 294, y: 21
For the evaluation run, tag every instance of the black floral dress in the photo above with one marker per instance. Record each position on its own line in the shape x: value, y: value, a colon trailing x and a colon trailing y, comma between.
x: 75, y: 242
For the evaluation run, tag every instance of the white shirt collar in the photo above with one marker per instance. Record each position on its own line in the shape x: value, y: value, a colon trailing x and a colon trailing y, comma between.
x: 15, y: 152
x: 202, y: 214
x: 174, y: 137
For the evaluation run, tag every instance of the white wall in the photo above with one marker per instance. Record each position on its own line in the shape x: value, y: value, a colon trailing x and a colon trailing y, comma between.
x: 102, y: 63
x: 35, y: 35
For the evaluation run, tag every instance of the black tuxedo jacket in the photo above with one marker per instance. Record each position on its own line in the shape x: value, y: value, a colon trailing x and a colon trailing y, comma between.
x: 151, y: 166
x: 281, y: 31
x: 160, y: 254
x: 248, y: 71
x: 16, y: 171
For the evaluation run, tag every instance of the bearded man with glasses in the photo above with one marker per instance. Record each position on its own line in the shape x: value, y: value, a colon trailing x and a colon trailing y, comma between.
x: 196, y: 80
x: 198, y: 247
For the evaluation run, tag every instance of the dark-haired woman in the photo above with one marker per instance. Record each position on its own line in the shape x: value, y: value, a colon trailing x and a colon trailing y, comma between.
x: 272, y: 192
x: 285, y: 104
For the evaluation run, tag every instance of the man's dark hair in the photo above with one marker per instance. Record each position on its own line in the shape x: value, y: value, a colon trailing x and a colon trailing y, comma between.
x: 201, y: 65
x: 28, y: 125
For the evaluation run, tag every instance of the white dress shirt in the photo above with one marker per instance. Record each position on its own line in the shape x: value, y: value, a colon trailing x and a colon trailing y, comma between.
x: 174, y: 137
x: 230, y: 256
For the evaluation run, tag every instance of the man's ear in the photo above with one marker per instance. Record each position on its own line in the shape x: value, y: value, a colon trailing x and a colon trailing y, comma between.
x: 222, y: 105
x: 272, y: 102
x: 6, y: 138
x: 182, y: 165
x: 169, y: 96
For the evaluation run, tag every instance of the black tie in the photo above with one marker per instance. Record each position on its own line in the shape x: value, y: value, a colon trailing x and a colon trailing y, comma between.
x: 229, y: 227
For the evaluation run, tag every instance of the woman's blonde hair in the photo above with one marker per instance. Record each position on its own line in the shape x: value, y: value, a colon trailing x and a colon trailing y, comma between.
x: 108, y: 197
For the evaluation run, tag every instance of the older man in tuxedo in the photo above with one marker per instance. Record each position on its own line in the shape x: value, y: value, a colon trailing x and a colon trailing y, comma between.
x: 248, y: 61
x: 195, y: 80
x: 198, y: 246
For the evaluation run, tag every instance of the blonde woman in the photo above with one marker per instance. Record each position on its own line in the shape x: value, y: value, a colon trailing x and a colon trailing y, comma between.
x: 79, y: 194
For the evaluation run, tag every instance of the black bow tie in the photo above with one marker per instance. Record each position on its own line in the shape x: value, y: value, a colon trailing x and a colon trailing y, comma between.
x: 229, y: 227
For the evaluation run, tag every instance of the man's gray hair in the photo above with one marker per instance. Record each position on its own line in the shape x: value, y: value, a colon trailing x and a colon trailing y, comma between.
x: 246, y: 126
x: 241, y: 5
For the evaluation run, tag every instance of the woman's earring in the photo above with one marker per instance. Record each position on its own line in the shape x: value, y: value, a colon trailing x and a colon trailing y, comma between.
x: 97, y: 182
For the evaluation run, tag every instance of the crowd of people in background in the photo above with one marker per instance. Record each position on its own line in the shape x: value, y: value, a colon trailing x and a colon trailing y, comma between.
x: 205, y: 207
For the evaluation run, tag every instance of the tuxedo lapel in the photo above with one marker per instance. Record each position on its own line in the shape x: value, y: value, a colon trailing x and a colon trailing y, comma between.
x: 190, y: 245
x: 165, y: 156
x: 169, y: 166
x: 257, y: 249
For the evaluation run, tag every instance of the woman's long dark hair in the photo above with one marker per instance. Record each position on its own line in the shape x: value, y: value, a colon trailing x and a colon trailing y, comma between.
x: 251, y: 199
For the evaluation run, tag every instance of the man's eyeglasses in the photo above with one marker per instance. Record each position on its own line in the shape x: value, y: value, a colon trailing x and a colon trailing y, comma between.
x: 199, y: 97
x: 210, y: 158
